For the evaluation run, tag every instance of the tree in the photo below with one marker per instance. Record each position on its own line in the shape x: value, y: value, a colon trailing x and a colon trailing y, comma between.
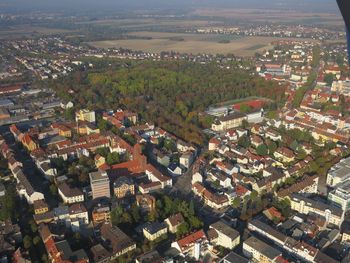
x: 182, y: 229
x: 236, y: 202
x: 262, y: 150
x: 135, y: 212
x: 244, y: 141
x: 191, y: 209
x: 113, y: 158
x: 27, y: 242
x: 272, y: 147
x: 329, y: 78
x: 36, y: 240
x: 53, y: 189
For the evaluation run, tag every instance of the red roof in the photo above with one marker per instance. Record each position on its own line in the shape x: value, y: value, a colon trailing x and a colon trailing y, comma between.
x: 191, y: 239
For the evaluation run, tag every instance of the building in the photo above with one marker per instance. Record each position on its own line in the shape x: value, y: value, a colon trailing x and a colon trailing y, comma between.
x: 101, y: 214
x: 339, y: 173
x: 259, y: 251
x: 40, y: 207
x: 285, y: 155
x: 85, y: 115
x: 100, y: 185
x: 340, y: 196
x: 232, y: 120
x: 123, y: 187
x: 70, y: 195
x: 232, y: 257
x: 192, y: 245
x: 227, y: 237
x: 305, y: 205
x: 174, y: 221
x: 154, y: 230
x: 100, y: 254
x: 116, y: 241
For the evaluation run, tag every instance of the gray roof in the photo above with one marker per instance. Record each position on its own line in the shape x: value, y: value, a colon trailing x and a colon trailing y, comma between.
x: 68, y: 254
x: 221, y: 227
x: 232, y: 116
x: 155, y: 227
x: 265, y: 249
x: 232, y: 257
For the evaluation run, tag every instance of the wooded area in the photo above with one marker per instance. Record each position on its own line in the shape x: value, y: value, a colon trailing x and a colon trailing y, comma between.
x: 171, y: 94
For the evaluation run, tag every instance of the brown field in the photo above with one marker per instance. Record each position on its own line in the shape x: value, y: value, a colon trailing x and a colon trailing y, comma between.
x: 192, y: 43
x: 258, y: 15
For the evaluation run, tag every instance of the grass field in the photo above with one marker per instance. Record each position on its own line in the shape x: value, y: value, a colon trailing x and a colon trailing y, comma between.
x: 191, y: 43
x: 24, y: 30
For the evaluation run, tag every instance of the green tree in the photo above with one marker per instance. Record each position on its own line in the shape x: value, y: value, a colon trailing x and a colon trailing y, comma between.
x: 236, y: 202
x: 27, y: 242
x: 262, y: 150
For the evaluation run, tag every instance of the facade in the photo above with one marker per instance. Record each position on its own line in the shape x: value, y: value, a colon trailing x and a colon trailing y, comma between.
x: 85, y: 115
x: 305, y: 205
x: 100, y: 185
x: 341, y: 196
x: 40, y: 207
x: 230, y: 121
x: 192, y: 245
x: 101, y: 214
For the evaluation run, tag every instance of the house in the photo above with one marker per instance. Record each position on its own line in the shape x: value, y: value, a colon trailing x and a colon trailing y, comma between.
x: 40, y: 207
x: 227, y: 237
x: 78, y: 216
x: 70, y: 195
x: 146, y: 202
x: 29, y: 143
x: 213, y: 200
x: 192, y: 245
x: 154, y: 230
x: 214, y: 144
x: 174, y: 221
x: 152, y: 256
x: 116, y: 241
x: 285, y: 155
x: 232, y: 120
x: 186, y: 159
x: 123, y: 187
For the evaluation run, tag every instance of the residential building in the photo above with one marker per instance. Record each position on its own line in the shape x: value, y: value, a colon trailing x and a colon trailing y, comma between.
x: 174, y: 221
x: 40, y: 207
x: 85, y: 115
x: 232, y: 257
x: 70, y: 195
x: 154, y: 230
x: 260, y: 251
x: 193, y: 245
x: 305, y: 205
x: 123, y: 187
x: 227, y: 237
x: 339, y: 173
x: 100, y: 254
x: 101, y: 214
x: 116, y: 241
x: 100, y: 185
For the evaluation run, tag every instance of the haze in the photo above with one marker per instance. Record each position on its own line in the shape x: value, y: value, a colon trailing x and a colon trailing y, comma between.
x: 101, y: 5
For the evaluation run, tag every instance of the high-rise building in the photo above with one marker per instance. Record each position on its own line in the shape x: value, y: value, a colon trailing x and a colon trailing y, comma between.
x: 100, y: 185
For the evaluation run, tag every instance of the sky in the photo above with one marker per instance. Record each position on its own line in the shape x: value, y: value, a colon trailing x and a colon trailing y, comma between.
x: 88, y: 5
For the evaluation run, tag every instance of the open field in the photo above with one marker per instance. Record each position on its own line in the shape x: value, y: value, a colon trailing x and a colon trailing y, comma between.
x: 191, y: 43
x: 257, y: 15
x: 24, y: 30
